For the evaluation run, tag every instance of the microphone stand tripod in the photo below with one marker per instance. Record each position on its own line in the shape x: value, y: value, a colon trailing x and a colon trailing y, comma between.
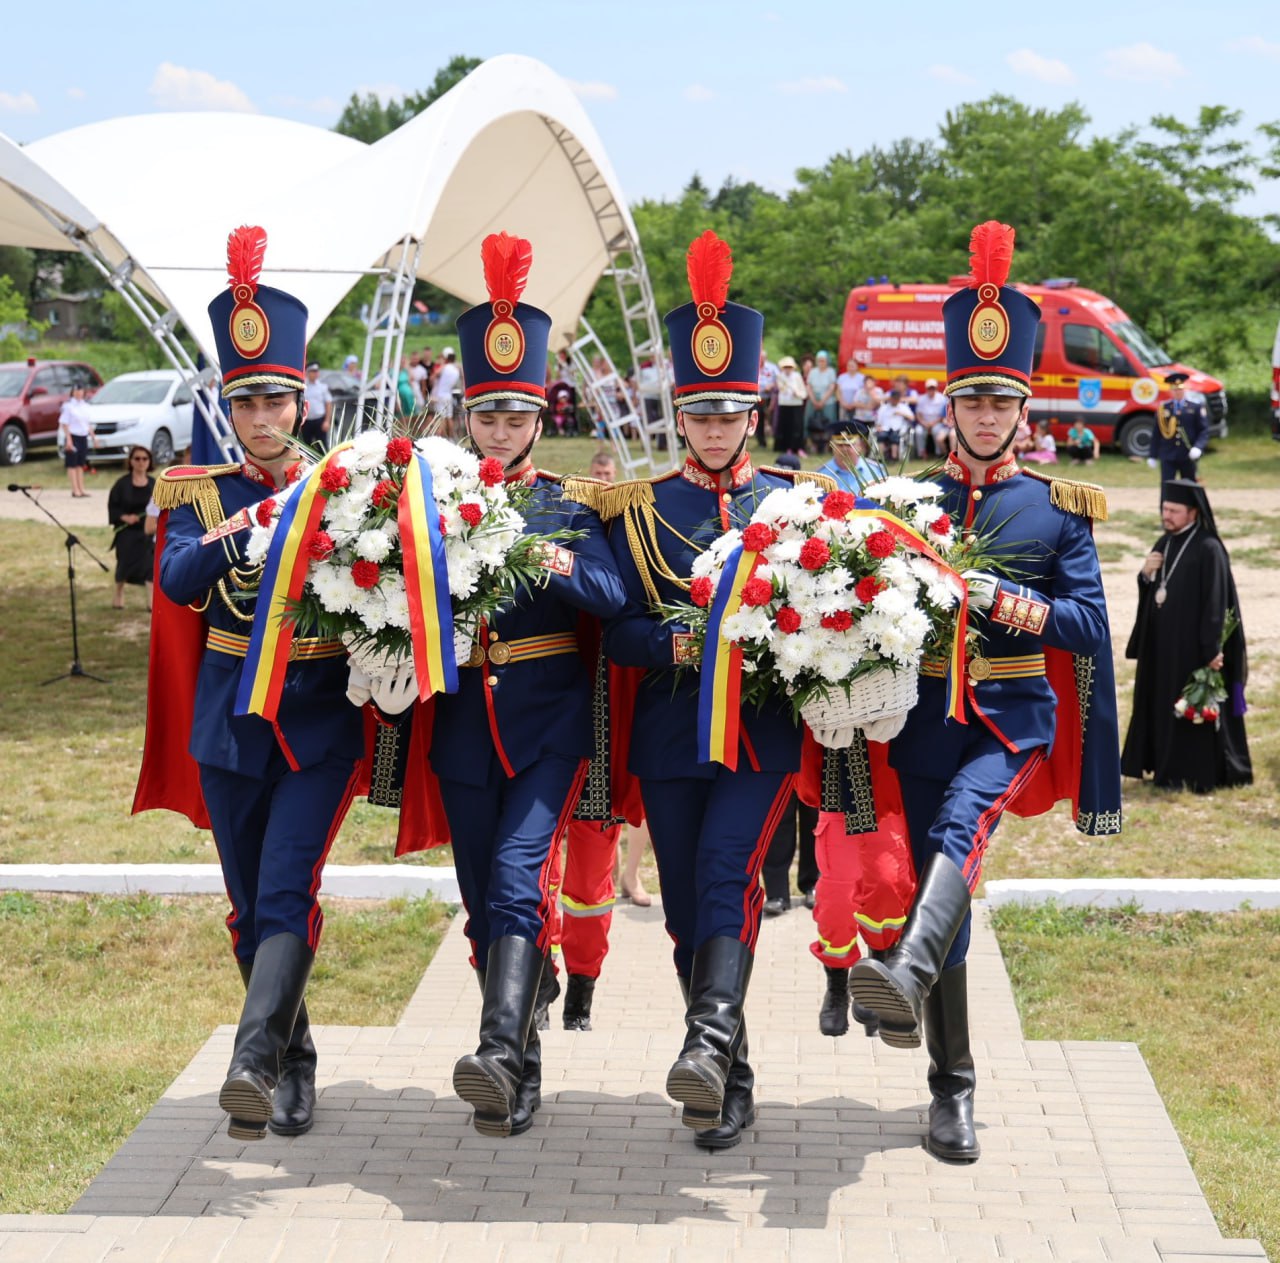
x: 71, y: 541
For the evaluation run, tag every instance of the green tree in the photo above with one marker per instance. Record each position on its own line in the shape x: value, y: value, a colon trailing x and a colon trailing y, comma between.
x: 13, y: 316
x: 369, y: 119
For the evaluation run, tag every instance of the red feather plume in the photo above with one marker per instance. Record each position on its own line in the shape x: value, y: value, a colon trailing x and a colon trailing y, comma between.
x: 710, y: 263
x: 245, y: 250
x: 990, y: 254
x: 507, y: 261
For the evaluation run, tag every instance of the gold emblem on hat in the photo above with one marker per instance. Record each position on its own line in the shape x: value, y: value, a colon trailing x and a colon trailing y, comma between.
x: 249, y: 327
x: 504, y: 338
x: 712, y: 343
x: 989, y: 324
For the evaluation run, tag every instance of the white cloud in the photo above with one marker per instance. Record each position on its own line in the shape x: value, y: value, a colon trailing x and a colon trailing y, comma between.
x: 1255, y: 44
x: 1047, y: 69
x: 1142, y: 63
x: 181, y: 88
x: 594, y: 90
x: 17, y: 103
x: 949, y: 74
x: 697, y: 92
x: 818, y: 86
x: 77, y: 94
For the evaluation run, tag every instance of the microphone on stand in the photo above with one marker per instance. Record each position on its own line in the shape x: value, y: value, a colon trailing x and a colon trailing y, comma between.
x: 25, y: 486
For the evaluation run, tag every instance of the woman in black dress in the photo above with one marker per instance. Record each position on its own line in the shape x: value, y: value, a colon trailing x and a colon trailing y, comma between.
x: 127, y: 512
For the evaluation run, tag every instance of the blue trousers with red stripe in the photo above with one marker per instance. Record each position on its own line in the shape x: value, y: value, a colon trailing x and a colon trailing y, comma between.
x: 710, y: 838
x: 957, y: 817
x: 273, y: 834
x: 503, y: 834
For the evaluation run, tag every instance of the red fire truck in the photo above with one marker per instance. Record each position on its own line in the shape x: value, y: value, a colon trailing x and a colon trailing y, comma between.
x: 1092, y: 362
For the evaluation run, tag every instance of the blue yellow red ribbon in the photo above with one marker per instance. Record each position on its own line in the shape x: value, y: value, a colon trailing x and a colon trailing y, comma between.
x: 720, y: 685
x: 426, y: 582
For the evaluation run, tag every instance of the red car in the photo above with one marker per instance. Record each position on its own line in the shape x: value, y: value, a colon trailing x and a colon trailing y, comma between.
x: 31, y: 396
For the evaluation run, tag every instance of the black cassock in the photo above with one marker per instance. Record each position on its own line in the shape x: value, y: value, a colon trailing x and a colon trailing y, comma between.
x: 1171, y: 640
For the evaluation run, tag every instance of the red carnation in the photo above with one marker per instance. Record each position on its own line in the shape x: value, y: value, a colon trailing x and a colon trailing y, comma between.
x: 758, y: 536
x: 700, y: 590
x: 881, y: 544
x: 319, y: 545
x: 334, y: 478
x: 841, y: 620
x: 942, y: 526
x: 815, y: 554
x: 757, y: 592
x: 384, y: 494
x: 444, y: 526
x: 867, y: 589
x: 471, y: 513
x: 1190, y: 713
x: 399, y: 451
x: 1210, y: 713
x: 835, y: 504
x: 788, y: 620
x: 263, y: 511
x: 293, y: 473
x: 491, y: 471
x: 365, y: 574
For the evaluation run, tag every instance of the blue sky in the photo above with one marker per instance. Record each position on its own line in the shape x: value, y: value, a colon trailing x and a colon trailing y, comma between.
x: 753, y: 89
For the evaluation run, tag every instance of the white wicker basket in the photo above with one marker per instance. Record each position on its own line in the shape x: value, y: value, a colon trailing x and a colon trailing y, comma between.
x: 875, y: 695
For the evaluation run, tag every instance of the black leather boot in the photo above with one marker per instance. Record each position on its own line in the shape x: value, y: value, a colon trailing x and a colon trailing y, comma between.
x: 739, y: 1107
x: 865, y: 1018
x: 293, y: 1106
x: 577, y: 1002
x: 489, y: 1079
x: 277, y: 981
x: 548, y: 990
x: 895, y: 989
x: 952, y: 1078
x: 529, y: 1090
x: 717, y: 989
x: 833, y: 1017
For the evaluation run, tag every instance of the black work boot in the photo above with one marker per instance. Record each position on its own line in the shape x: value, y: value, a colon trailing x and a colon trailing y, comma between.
x: 952, y: 1078
x: 833, y: 1017
x: 277, y: 981
x: 489, y: 1078
x: 577, y: 1002
x: 717, y: 989
x: 894, y: 989
x: 739, y: 1107
x: 293, y: 1105
x: 548, y: 990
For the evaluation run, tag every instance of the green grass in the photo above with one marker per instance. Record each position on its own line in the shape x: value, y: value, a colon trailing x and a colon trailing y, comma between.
x: 106, y: 1000
x: 1200, y: 996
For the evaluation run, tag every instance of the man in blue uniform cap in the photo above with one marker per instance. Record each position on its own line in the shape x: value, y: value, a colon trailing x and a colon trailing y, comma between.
x: 1181, y: 433
x: 1039, y: 690
x: 274, y: 794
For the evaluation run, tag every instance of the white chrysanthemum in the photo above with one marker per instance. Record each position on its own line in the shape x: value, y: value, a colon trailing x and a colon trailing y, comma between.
x: 446, y: 456
x: 897, y: 490
x: 255, y: 550
x: 372, y: 545
x: 370, y: 447
x: 334, y: 588
x: 892, y: 603
x: 397, y: 602
x: 705, y: 565
x: 749, y: 625
x: 834, y: 663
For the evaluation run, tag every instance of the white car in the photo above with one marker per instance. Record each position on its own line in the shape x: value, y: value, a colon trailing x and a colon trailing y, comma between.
x: 152, y: 409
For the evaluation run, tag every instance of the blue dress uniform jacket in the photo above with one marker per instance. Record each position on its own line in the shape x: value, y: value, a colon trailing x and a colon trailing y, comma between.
x: 1192, y: 421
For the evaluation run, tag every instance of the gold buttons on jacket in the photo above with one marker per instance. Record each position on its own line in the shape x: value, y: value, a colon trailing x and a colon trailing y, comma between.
x: 491, y: 681
x: 977, y: 494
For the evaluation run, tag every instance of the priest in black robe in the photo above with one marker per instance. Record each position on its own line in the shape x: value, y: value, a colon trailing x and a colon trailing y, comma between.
x: 1185, y: 590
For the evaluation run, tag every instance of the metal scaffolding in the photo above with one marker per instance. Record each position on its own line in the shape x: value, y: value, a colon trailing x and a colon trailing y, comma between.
x: 384, y: 338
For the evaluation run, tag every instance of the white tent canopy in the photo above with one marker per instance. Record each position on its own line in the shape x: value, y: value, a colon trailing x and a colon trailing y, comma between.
x: 509, y: 148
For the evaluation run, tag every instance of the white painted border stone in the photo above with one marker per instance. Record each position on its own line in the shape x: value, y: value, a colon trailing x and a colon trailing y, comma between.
x: 1151, y: 895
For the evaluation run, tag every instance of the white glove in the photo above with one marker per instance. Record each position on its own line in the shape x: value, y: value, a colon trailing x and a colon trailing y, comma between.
x: 983, y: 587
x: 395, y: 693
x: 1194, y: 453
x: 885, y: 729
x: 358, y: 685
x: 834, y: 738
x: 1152, y: 462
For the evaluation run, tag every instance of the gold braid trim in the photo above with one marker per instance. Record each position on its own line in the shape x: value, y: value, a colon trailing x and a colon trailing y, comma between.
x: 1086, y: 499
x: 610, y: 500
x: 194, y: 485
x: 582, y: 490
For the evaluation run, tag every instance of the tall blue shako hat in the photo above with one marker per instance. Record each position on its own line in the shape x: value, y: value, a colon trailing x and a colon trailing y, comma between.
x: 715, y: 344
x: 990, y: 327
x: 503, y: 342
x: 260, y: 333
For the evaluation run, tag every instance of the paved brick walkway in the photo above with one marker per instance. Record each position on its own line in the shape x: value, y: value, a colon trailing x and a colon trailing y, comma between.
x: 1080, y: 1161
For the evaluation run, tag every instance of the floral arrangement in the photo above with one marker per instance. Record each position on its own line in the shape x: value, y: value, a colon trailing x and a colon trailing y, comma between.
x: 835, y: 592
x: 355, y: 586
x: 1200, y: 701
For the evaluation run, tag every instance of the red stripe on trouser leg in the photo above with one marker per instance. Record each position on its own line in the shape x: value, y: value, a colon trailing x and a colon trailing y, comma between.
x: 753, y: 896
x: 552, y: 862
x: 315, y: 919
x: 587, y: 895
x: 988, y: 820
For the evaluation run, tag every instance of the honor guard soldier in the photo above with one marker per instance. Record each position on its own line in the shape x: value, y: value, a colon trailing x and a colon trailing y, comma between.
x: 710, y: 826
x: 275, y: 794
x: 1039, y: 691
x: 1181, y: 433
x: 510, y: 748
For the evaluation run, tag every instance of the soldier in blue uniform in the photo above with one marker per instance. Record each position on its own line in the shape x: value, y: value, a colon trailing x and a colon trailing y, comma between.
x: 275, y: 796
x: 1039, y: 690
x: 510, y: 748
x: 710, y: 826
x: 1181, y: 433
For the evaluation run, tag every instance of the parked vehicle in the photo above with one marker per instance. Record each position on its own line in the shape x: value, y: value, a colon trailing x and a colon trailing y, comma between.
x: 153, y: 409
x: 1092, y: 363
x: 31, y: 396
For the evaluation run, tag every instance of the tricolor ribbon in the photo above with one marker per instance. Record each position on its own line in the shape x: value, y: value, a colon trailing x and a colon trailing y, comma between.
x: 426, y: 582
x: 720, y: 686
x: 283, y: 576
